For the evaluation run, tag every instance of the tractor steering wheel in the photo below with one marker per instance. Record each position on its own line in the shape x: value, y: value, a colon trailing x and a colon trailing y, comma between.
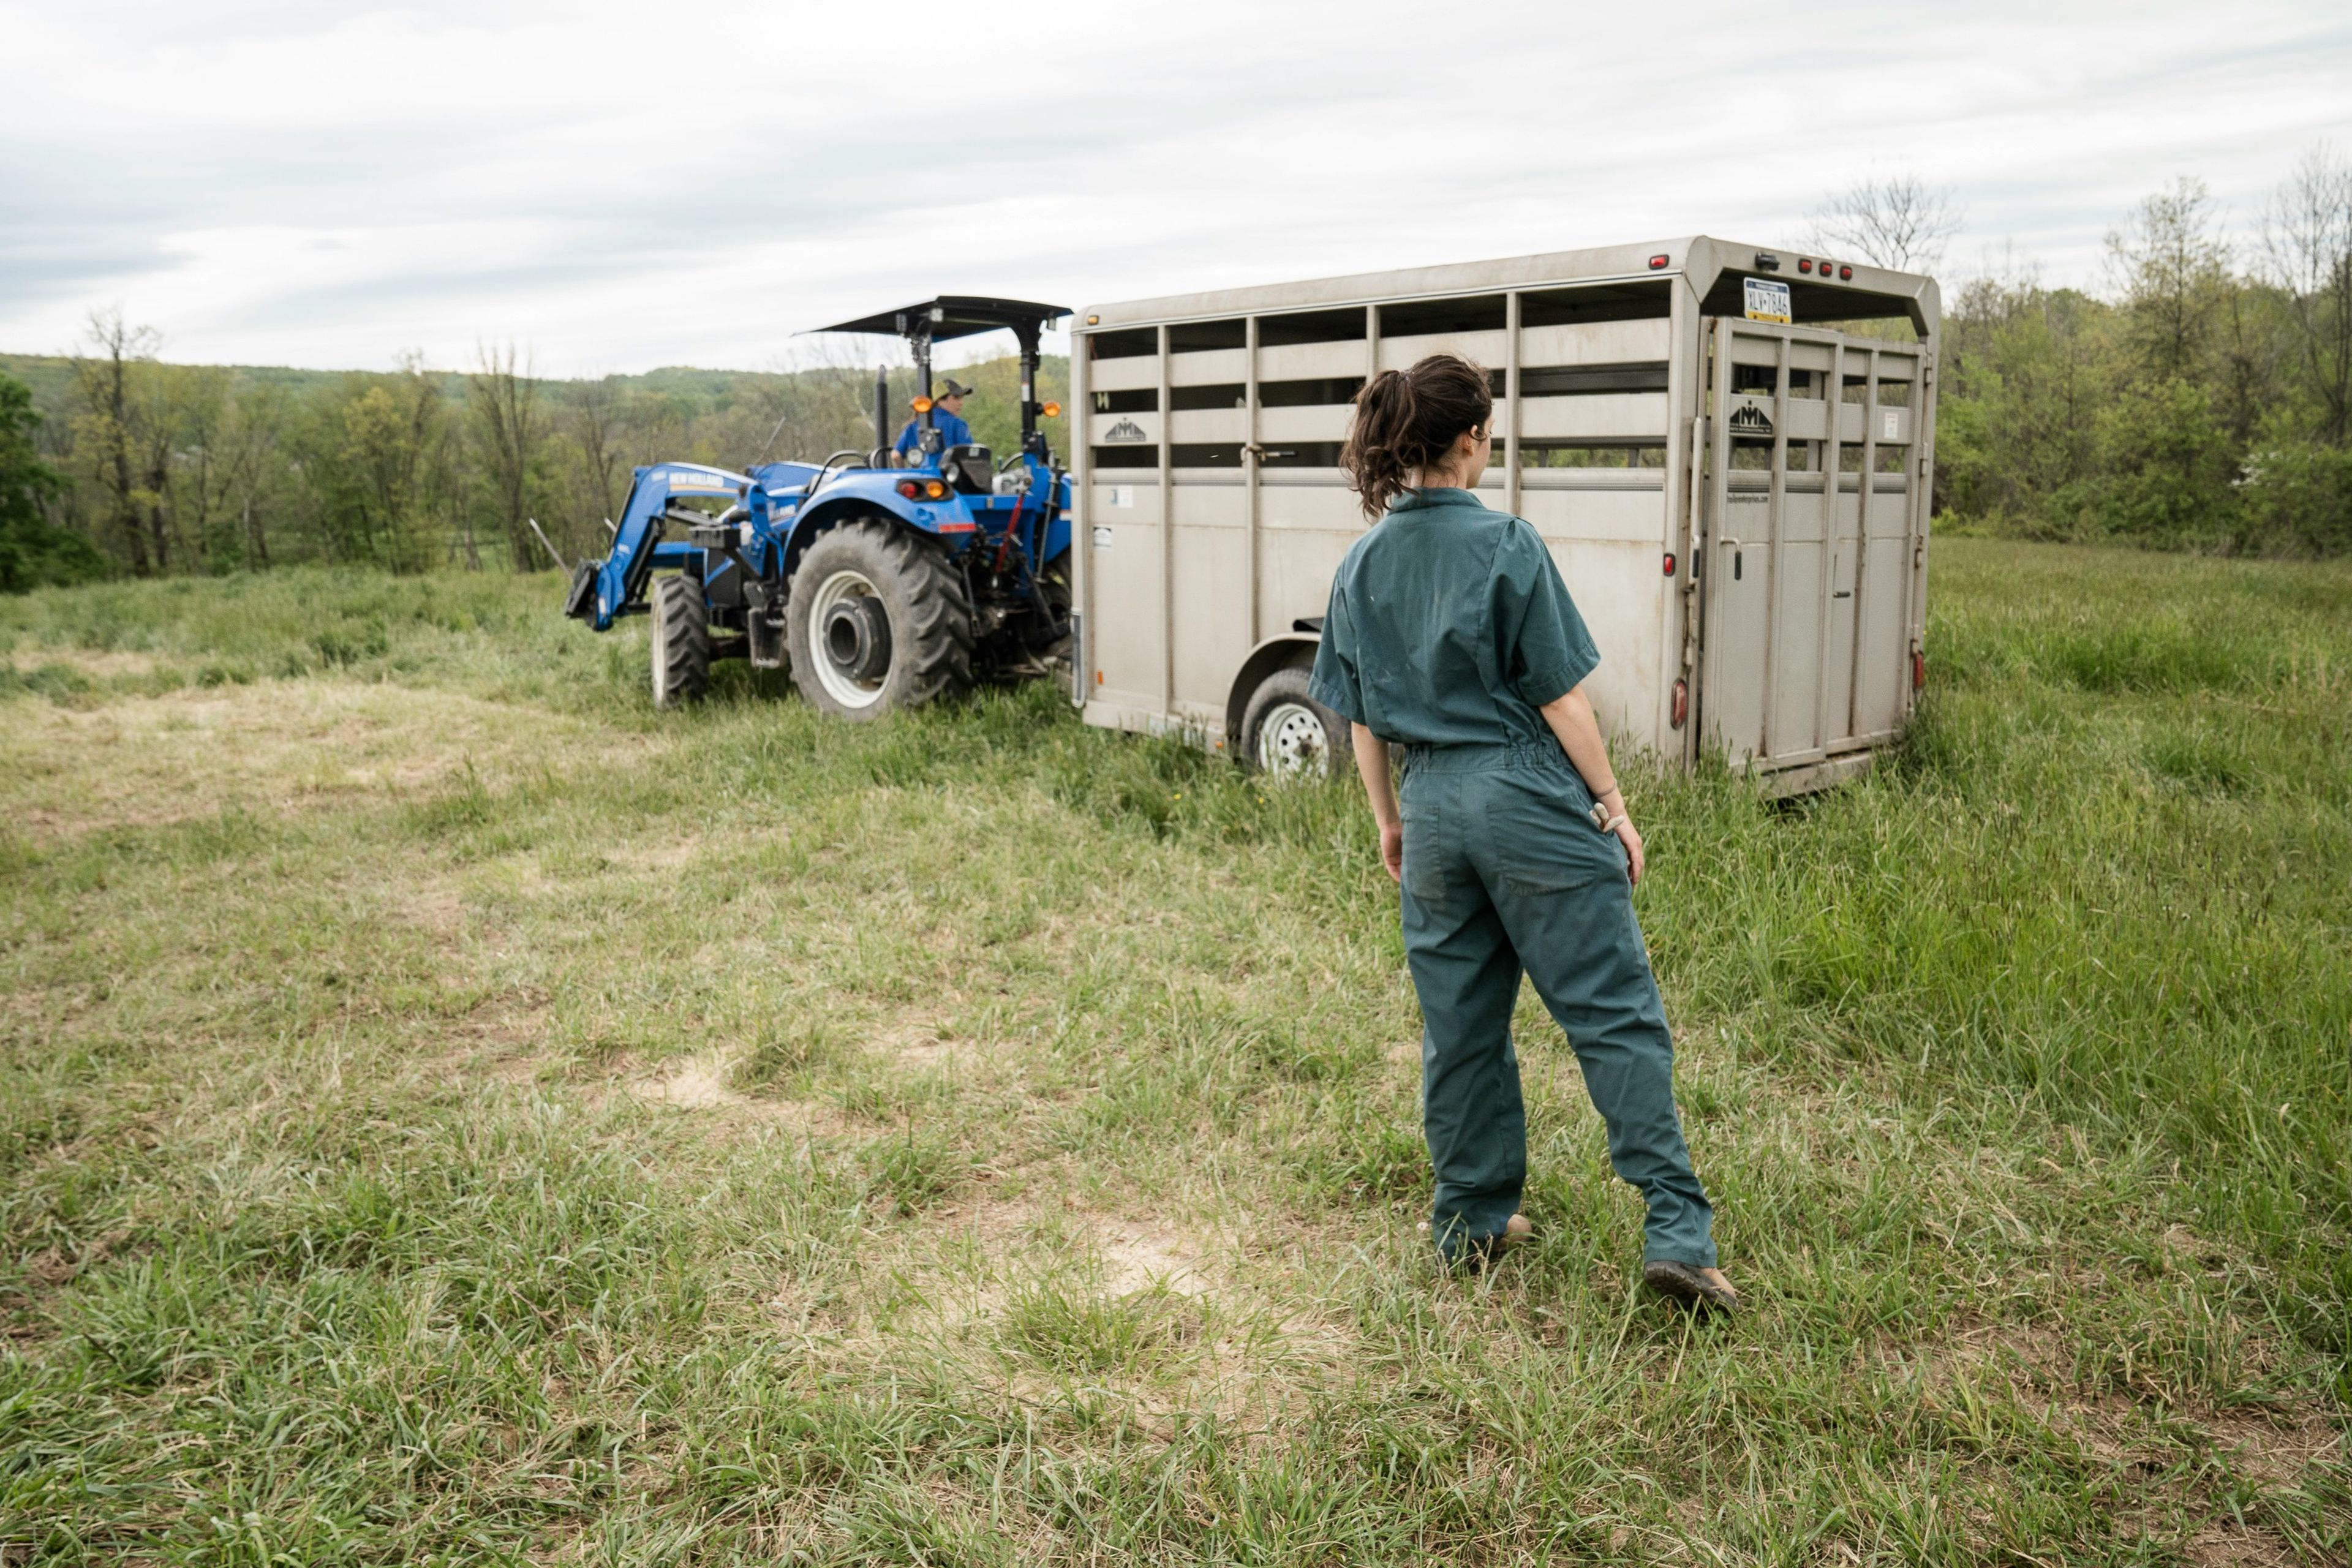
x: 825, y: 469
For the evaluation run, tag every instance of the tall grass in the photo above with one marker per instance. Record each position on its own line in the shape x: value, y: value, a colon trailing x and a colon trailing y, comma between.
x: 736, y: 1136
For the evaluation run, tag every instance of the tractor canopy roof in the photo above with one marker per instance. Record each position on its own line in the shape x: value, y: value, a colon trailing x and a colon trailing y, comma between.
x: 954, y: 316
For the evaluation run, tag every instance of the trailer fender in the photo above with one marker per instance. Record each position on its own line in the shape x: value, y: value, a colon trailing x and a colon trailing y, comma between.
x: 1291, y: 648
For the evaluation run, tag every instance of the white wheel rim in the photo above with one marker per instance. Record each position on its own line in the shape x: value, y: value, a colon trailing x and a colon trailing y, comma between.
x: 839, y: 685
x: 1291, y: 741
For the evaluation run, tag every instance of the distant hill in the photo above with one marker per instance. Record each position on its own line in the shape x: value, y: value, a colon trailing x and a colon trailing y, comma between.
x: 50, y: 376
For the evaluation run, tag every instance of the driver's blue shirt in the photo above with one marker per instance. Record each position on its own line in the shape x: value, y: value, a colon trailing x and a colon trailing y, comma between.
x: 953, y: 431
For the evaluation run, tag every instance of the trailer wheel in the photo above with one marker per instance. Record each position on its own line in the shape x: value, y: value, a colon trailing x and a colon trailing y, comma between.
x: 1288, y: 733
x: 877, y: 620
x: 681, y: 642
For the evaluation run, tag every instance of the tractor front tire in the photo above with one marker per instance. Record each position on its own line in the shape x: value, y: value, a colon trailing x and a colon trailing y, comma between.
x: 681, y: 642
x: 877, y: 620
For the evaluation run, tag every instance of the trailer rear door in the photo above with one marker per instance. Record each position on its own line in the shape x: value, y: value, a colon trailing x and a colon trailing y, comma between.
x: 1814, y: 525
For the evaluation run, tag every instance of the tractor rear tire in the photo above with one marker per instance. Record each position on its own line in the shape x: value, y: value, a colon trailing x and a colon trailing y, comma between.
x: 1288, y: 735
x: 877, y: 620
x: 681, y: 642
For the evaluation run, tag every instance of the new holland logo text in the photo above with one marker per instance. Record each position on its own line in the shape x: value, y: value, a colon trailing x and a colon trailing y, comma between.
x: 1750, y: 419
x: 1125, y: 430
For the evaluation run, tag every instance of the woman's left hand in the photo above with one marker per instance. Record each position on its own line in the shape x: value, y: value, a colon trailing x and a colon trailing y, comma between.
x: 1632, y: 839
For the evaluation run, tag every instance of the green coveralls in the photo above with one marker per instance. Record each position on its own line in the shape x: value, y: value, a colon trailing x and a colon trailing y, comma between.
x: 1449, y: 627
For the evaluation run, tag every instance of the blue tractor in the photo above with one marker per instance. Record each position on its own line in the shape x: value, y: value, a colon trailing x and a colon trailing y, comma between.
x: 879, y: 580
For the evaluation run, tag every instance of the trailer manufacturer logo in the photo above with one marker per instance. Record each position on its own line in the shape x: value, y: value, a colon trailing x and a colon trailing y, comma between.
x: 1767, y: 299
x: 1125, y: 430
x: 1750, y: 419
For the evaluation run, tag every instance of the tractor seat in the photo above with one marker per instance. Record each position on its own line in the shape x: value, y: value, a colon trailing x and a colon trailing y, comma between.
x: 971, y: 470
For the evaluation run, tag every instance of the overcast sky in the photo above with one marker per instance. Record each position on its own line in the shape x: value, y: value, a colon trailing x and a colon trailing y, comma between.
x: 296, y: 182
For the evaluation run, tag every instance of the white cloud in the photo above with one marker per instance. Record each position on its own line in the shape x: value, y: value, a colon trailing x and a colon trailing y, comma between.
x: 628, y: 186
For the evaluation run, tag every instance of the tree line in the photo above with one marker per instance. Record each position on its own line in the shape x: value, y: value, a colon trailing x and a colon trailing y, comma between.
x: 113, y: 461
x: 2201, y: 399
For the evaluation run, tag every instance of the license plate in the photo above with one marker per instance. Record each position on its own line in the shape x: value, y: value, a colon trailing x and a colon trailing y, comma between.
x: 1767, y: 298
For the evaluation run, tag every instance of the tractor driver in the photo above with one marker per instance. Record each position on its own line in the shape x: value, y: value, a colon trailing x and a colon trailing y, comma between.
x: 947, y: 414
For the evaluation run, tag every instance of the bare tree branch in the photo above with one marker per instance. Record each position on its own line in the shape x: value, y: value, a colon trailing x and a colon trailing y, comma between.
x: 1896, y: 221
x: 2307, y: 254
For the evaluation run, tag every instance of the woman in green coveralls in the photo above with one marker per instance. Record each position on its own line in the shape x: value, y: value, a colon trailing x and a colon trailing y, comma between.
x: 1451, y: 637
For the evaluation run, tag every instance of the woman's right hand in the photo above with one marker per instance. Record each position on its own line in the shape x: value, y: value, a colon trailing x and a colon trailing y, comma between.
x: 1392, y: 849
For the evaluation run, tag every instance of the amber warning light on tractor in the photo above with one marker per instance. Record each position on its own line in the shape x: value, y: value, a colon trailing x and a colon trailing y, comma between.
x: 922, y: 405
x: 922, y: 489
x: 1052, y: 411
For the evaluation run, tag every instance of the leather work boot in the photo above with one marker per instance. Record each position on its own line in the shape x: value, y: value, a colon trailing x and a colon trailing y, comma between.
x: 1478, y: 1255
x: 1702, y: 1291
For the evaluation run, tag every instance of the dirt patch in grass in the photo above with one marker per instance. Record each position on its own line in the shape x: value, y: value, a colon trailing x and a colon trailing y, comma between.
x: 654, y: 854
x: 1144, y: 1257
x: 700, y: 1086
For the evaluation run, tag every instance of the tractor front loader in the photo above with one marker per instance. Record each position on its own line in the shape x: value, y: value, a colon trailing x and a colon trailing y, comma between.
x: 878, y: 586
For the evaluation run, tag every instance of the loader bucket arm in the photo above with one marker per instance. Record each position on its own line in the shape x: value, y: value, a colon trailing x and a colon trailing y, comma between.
x: 603, y: 591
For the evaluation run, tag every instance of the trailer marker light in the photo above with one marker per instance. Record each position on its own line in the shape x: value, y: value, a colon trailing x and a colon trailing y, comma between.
x: 1845, y: 272
x: 1658, y: 261
x: 1919, y: 670
x: 1682, y: 703
x: 1052, y: 411
x: 1094, y: 320
x: 1805, y: 264
x: 1098, y: 678
x: 909, y: 489
x: 1670, y: 562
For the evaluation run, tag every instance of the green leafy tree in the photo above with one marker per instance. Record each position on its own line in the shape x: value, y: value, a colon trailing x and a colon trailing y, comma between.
x: 2170, y: 467
x: 34, y: 550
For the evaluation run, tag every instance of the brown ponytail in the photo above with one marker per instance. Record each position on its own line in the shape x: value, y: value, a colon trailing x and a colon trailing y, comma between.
x: 1406, y: 419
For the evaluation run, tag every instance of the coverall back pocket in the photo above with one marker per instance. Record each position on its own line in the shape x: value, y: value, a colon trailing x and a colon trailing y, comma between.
x: 1428, y: 850
x: 1543, y: 841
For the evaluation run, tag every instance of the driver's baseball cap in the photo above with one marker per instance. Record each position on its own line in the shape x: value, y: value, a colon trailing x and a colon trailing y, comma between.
x: 954, y: 388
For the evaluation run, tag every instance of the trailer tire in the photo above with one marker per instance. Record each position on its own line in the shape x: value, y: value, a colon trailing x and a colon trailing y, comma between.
x: 681, y: 642
x: 879, y: 620
x: 1286, y: 734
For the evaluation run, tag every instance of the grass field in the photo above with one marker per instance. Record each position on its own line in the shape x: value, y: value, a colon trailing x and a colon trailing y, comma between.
x: 450, y: 1113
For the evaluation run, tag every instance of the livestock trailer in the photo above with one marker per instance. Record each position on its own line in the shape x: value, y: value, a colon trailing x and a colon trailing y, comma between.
x: 1727, y: 448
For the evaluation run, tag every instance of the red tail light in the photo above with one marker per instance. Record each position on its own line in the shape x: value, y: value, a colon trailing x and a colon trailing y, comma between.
x: 1919, y: 670
x: 1656, y: 262
x: 1670, y: 562
x: 1682, y: 702
x: 909, y: 489
x: 1845, y: 272
x: 1806, y: 265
